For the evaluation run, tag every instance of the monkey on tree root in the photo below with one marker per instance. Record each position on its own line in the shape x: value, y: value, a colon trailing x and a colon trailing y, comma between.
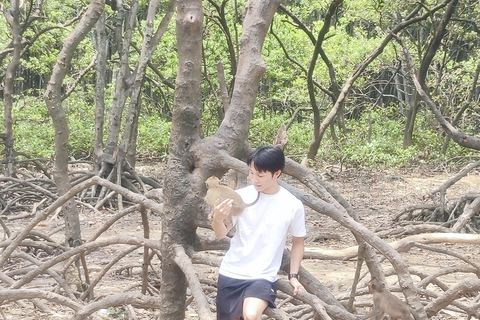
x: 385, y: 303
x: 217, y: 193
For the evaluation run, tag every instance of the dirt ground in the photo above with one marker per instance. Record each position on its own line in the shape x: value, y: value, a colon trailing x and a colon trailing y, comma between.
x: 377, y: 196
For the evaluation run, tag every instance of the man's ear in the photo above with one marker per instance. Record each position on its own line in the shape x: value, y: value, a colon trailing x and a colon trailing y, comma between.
x: 277, y: 173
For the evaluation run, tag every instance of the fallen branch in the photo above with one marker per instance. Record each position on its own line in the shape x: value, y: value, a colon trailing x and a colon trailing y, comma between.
x: 322, y: 309
x: 137, y: 198
x: 114, y: 300
x: 442, y: 272
x: 22, y: 294
x: 469, y: 211
x: 108, y: 223
x: 429, y: 238
x: 134, y: 241
x: 61, y: 281
x: 413, y: 229
x: 39, y: 304
x: 464, y: 286
x: 407, y: 246
x: 276, y: 314
x: 450, y: 182
x: 100, y: 275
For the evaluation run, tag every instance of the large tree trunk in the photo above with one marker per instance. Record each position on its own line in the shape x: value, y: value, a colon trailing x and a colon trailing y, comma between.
x: 178, y: 225
x: 191, y: 158
x: 57, y: 113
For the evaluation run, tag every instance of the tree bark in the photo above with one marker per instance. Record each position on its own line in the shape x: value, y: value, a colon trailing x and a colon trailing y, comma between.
x: 178, y: 225
x: 54, y: 104
x: 125, y: 21
x: 191, y: 158
x: 251, y: 67
x: 101, y: 45
x: 422, y: 73
x: 150, y: 43
x: 13, y: 18
x: 318, y: 130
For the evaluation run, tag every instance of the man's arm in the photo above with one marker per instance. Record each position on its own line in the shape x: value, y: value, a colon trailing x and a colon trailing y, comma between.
x: 296, y: 256
x: 220, y: 213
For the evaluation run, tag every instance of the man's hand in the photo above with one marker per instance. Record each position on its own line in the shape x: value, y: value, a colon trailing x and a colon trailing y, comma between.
x: 222, y: 210
x: 296, y: 285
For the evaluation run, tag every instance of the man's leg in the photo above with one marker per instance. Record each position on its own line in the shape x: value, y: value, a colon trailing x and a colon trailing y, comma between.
x: 253, y: 308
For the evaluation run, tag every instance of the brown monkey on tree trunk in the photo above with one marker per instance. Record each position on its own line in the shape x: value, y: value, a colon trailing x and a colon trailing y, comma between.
x: 385, y: 303
x: 219, y: 192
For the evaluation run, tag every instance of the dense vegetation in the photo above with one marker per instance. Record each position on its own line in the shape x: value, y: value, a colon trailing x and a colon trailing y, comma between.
x: 372, y: 123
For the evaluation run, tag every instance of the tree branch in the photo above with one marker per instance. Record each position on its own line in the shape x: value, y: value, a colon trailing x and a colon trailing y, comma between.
x: 457, y: 135
x: 183, y: 261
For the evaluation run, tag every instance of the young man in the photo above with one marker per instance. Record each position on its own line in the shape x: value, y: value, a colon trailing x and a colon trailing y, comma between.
x: 247, y: 275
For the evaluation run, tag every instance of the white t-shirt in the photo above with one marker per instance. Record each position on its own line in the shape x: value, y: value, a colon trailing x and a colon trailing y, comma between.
x: 256, y: 249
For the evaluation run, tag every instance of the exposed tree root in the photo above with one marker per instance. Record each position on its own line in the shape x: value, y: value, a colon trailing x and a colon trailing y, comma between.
x: 317, y: 302
x: 460, y: 215
x: 429, y: 238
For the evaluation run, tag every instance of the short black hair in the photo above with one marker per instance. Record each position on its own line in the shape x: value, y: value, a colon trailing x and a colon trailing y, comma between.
x: 267, y: 158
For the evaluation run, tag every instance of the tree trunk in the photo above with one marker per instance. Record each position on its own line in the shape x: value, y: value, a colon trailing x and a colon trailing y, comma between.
x: 178, y: 224
x: 422, y: 73
x: 54, y: 104
x: 410, y: 123
x: 101, y: 45
x: 191, y: 158
x: 150, y: 43
x: 125, y: 21
x: 318, y: 130
x: 13, y: 18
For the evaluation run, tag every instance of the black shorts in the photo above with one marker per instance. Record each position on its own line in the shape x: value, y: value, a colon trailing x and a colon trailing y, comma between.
x: 232, y: 292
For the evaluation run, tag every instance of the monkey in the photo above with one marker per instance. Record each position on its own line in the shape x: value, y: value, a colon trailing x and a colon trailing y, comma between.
x: 385, y: 303
x: 216, y: 191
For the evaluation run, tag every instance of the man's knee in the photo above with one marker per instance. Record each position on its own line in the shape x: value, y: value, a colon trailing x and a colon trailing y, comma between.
x: 252, y: 314
x: 253, y: 308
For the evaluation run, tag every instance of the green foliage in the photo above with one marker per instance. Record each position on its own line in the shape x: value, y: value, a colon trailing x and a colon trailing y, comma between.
x: 35, y: 135
x: 263, y: 130
x: 299, y: 136
x: 375, y: 140
x: 34, y: 132
x: 382, y: 147
x: 80, y: 110
x: 153, y: 137
x: 32, y: 127
x: 357, y: 29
